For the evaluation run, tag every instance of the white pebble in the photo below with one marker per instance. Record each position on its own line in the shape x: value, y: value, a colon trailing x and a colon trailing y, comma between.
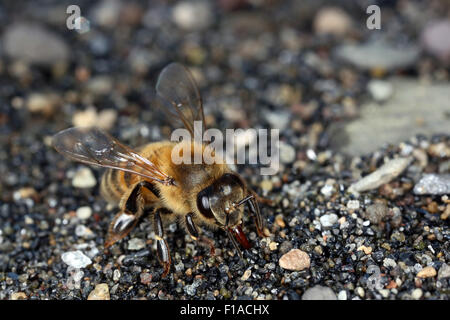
x: 385, y: 174
x: 417, y: 294
x: 342, y: 295
x: 380, y: 90
x: 353, y: 205
x: 388, y: 262
x: 192, y: 15
x: 84, y: 212
x: 84, y: 178
x: 287, y: 153
x: 328, y: 220
x: 116, y: 275
x: 83, y: 231
x: 76, y: 259
x: 327, y: 190
x: 384, y: 293
x: 360, y: 292
x: 136, y: 244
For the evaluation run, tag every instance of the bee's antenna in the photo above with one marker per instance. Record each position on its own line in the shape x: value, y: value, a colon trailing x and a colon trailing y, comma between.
x: 241, y: 202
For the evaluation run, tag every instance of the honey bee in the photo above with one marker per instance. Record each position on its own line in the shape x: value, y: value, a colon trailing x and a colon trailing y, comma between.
x: 147, y: 180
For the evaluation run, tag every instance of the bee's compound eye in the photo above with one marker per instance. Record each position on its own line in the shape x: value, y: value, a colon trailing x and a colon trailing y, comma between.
x: 203, y: 203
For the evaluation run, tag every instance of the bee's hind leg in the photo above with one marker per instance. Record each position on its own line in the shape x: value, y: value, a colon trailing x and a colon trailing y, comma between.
x: 193, y: 232
x: 120, y: 227
x: 127, y: 218
x: 161, y: 244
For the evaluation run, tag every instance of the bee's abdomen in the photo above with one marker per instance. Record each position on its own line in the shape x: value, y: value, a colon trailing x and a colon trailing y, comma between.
x: 114, y: 184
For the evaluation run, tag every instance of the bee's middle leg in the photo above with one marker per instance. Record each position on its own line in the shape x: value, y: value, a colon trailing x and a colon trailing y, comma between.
x: 129, y: 215
x: 161, y: 244
x: 193, y: 232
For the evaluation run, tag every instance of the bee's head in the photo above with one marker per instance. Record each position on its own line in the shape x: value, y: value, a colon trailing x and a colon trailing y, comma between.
x: 220, y: 201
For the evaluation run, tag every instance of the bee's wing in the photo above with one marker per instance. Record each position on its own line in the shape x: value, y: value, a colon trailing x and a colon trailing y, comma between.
x: 179, y: 97
x: 93, y: 146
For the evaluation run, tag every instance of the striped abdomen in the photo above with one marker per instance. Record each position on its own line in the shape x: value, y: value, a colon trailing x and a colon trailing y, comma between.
x: 115, y: 184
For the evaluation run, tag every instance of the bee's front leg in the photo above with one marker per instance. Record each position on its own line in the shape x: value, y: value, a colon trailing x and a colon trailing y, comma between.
x: 256, y: 214
x: 193, y: 232
x: 161, y: 244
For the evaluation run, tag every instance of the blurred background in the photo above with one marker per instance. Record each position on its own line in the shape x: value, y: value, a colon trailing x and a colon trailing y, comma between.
x: 341, y: 91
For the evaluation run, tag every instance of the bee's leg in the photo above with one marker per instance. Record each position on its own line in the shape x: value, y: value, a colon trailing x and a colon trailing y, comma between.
x: 161, y: 244
x: 261, y: 199
x: 120, y: 227
x: 193, y: 232
x: 256, y: 214
x: 127, y: 218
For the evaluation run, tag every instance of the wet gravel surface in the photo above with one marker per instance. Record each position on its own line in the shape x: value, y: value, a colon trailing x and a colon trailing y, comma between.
x: 258, y: 65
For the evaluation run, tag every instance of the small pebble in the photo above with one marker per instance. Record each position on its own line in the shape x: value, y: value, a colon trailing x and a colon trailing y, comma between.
x: 136, y: 244
x: 246, y: 275
x: 444, y: 271
x: 34, y: 44
x: 389, y: 263
x: 280, y: 221
x: 100, y: 292
x: 196, y: 15
x: 367, y: 250
x: 342, y: 295
x: 84, y: 213
x: 353, y: 205
x: 295, y: 259
x: 360, y: 292
x: 319, y: 292
x: 385, y: 174
x: 84, y: 178
x: 287, y: 153
x: 417, y: 294
x: 446, y: 213
x: 435, y: 184
x: 380, y: 90
x: 376, y: 213
x: 18, y: 296
x: 435, y: 39
x: 427, y: 272
x: 146, y: 278
x: 328, y: 220
x: 76, y: 259
x: 273, y: 246
x: 116, y: 275
x: 266, y: 185
x: 332, y: 20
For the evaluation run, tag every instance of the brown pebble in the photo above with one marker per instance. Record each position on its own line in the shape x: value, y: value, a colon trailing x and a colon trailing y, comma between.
x: 432, y: 207
x: 427, y: 272
x: 295, y: 259
x: 392, y: 285
x: 280, y: 221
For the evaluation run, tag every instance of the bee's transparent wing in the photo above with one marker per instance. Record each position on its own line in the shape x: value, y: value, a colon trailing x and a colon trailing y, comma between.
x: 179, y: 97
x: 96, y: 147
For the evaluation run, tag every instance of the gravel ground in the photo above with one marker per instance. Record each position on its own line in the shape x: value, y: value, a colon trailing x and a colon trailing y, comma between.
x: 372, y: 225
